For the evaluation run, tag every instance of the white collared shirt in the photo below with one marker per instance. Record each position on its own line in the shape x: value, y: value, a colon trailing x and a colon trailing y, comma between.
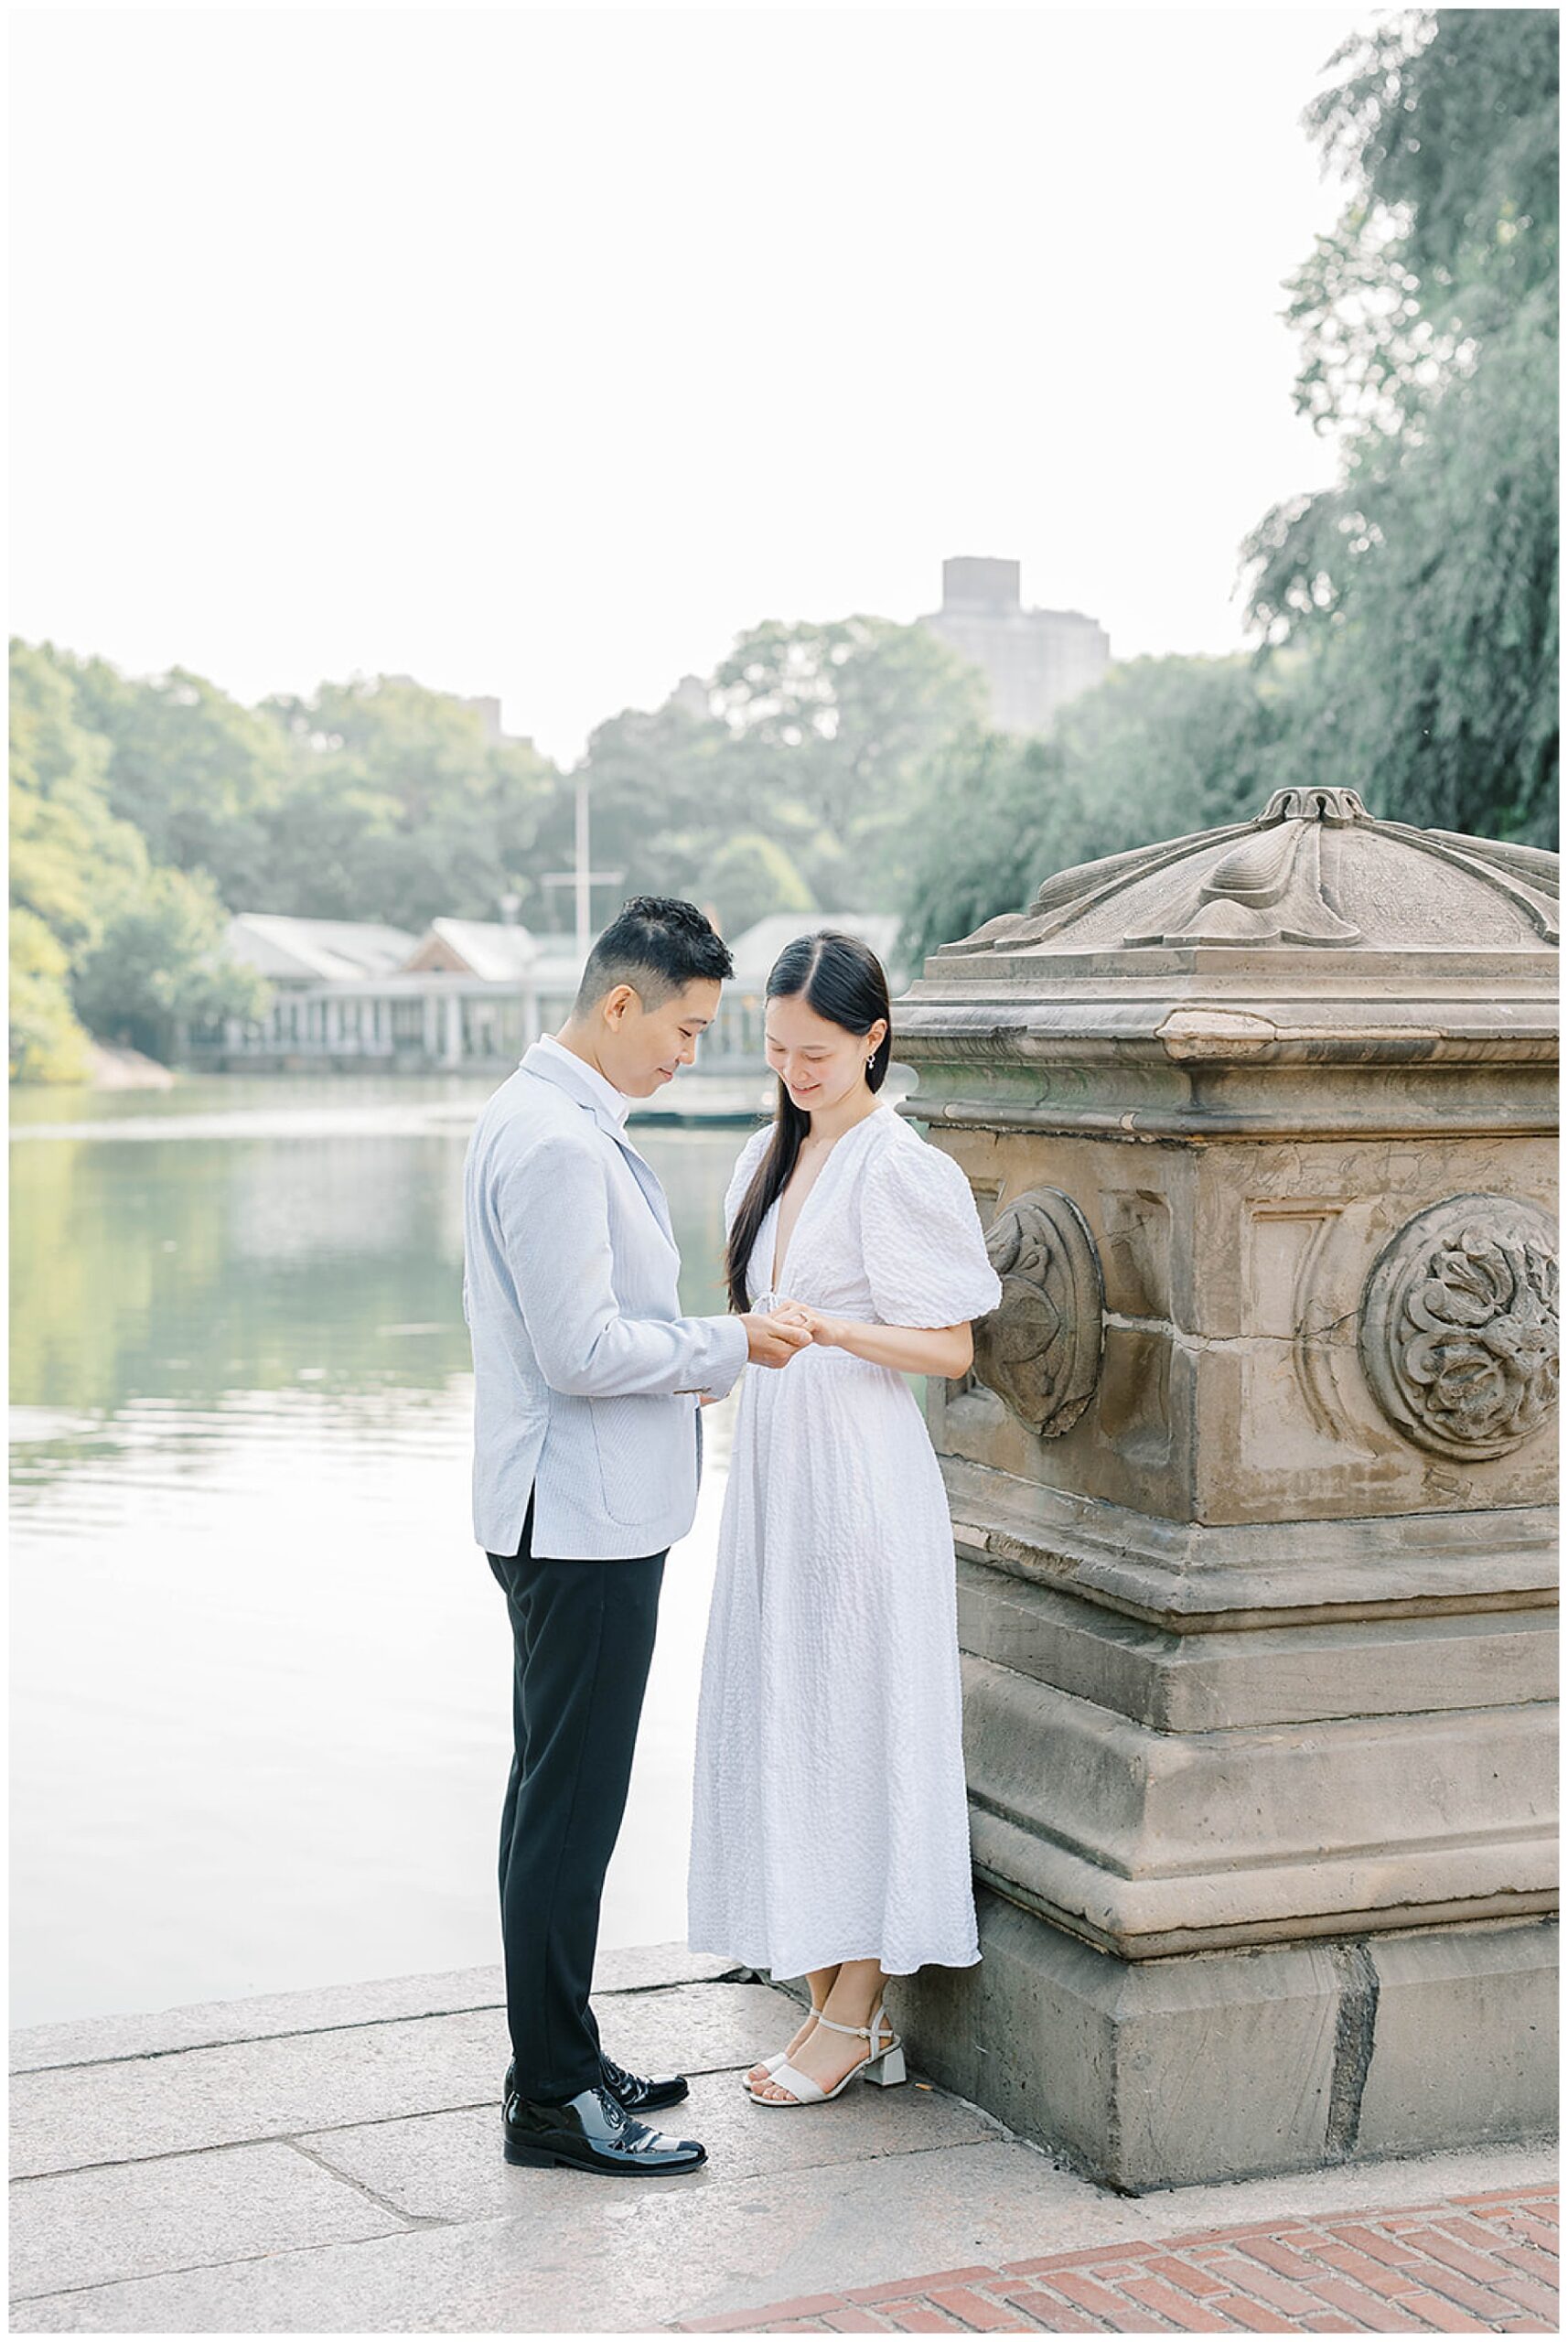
x: 615, y: 1100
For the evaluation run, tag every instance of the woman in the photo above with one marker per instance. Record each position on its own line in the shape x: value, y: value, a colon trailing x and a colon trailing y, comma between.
x: 831, y: 1826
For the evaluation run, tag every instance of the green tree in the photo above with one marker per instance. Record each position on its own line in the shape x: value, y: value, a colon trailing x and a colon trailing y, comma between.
x: 101, y: 937
x: 798, y: 776
x: 665, y: 793
x: 677, y: 808
x: 855, y: 704
x: 68, y: 852
x: 1424, y: 584
x: 158, y: 962
x: 749, y: 877
x: 47, y: 1043
x: 1160, y: 747
x: 200, y: 777
x: 1004, y: 813
x: 1445, y: 124
x: 840, y: 729
x: 402, y: 807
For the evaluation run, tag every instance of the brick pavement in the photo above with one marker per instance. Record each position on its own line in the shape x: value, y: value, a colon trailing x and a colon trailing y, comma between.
x: 1471, y: 2264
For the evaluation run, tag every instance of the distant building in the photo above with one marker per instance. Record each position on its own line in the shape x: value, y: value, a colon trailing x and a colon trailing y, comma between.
x: 691, y: 696
x: 466, y: 995
x: 476, y: 947
x: 316, y: 951
x: 755, y: 949
x: 468, y: 992
x: 1036, y: 661
x: 486, y: 705
x: 488, y: 710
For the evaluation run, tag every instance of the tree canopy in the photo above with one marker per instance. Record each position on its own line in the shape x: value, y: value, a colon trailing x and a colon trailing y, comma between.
x: 1423, y: 584
x: 400, y: 807
x: 104, y: 937
x: 794, y: 778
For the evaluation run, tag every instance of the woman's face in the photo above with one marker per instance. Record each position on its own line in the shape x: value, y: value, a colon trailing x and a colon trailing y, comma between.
x: 819, y: 1063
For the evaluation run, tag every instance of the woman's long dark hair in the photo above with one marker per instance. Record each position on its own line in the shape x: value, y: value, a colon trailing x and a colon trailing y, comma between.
x: 842, y: 979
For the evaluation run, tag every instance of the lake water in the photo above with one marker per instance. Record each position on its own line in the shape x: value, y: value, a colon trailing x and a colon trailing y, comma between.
x: 261, y: 1672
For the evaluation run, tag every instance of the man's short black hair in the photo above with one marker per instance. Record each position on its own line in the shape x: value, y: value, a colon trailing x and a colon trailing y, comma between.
x: 658, y: 945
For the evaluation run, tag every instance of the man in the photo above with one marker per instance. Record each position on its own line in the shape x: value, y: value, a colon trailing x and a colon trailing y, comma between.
x: 587, y: 1446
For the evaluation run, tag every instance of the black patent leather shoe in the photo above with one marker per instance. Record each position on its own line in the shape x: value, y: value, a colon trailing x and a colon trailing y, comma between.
x: 639, y: 2093
x: 593, y: 2131
x: 643, y: 2093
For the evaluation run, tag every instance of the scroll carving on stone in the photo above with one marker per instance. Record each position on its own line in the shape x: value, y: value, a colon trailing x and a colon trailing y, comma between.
x: 1039, y: 1350
x: 1272, y: 887
x: 1458, y: 1328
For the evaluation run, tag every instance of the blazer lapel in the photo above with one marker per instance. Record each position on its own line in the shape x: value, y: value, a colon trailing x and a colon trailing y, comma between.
x: 550, y: 1068
x: 647, y: 1178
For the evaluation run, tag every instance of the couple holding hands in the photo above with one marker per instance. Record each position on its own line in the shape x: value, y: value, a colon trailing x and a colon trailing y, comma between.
x: 830, y: 1821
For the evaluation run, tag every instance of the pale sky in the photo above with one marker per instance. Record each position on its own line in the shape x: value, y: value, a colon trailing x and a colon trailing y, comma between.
x: 539, y: 353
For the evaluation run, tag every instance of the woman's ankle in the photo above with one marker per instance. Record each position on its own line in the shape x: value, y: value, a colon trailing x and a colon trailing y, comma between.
x: 854, y: 2008
x: 819, y: 1984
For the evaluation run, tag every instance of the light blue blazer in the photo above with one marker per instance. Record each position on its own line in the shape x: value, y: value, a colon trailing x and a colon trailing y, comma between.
x: 586, y: 1374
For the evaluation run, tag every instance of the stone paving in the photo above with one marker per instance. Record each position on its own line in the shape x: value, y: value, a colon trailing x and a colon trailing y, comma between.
x: 328, y: 2162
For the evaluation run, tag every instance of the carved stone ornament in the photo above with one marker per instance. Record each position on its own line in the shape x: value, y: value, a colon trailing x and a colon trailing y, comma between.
x: 1271, y: 887
x: 1312, y: 870
x: 1458, y: 1334
x: 1039, y: 1350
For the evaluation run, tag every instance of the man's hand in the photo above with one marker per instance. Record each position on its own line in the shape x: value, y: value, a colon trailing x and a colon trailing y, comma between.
x: 768, y: 1343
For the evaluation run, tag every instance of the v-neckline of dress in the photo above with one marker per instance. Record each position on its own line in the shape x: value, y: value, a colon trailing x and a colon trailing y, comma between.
x: 807, y: 1200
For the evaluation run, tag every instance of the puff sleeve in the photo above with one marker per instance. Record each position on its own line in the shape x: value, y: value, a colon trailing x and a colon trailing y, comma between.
x: 924, y: 1247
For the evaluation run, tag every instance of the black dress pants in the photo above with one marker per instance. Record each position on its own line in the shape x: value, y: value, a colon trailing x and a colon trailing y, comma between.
x: 582, y: 1638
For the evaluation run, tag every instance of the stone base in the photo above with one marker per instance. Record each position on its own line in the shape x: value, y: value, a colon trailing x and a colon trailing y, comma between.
x: 1230, y: 2065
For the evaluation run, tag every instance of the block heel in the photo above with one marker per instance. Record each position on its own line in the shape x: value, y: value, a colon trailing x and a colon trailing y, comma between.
x: 887, y: 2071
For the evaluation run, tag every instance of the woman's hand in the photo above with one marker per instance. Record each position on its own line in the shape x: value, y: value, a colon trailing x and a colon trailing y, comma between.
x: 824, y: 1331
x: 908, y: 1349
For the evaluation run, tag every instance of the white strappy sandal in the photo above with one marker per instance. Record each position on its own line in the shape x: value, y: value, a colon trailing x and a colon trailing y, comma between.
x: 883, y: 2066
x: 780, y: 2058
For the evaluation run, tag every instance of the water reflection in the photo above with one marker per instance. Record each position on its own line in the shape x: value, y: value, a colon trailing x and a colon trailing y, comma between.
x: 261, y: 1670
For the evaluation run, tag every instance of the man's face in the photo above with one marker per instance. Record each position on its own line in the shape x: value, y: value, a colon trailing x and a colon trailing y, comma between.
x: 640, y: 1048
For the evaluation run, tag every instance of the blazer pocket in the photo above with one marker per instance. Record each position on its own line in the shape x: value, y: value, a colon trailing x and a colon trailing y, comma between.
x: 643, y: 1458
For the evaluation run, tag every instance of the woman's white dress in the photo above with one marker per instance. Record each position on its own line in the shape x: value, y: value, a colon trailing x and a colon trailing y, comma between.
x: 830, y: 1819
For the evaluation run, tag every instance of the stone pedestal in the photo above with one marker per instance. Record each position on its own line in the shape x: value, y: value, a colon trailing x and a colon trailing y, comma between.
x: 1252, y: 1491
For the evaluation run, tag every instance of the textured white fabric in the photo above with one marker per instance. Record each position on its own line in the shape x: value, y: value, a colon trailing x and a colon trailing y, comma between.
x: 830, y: 1819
